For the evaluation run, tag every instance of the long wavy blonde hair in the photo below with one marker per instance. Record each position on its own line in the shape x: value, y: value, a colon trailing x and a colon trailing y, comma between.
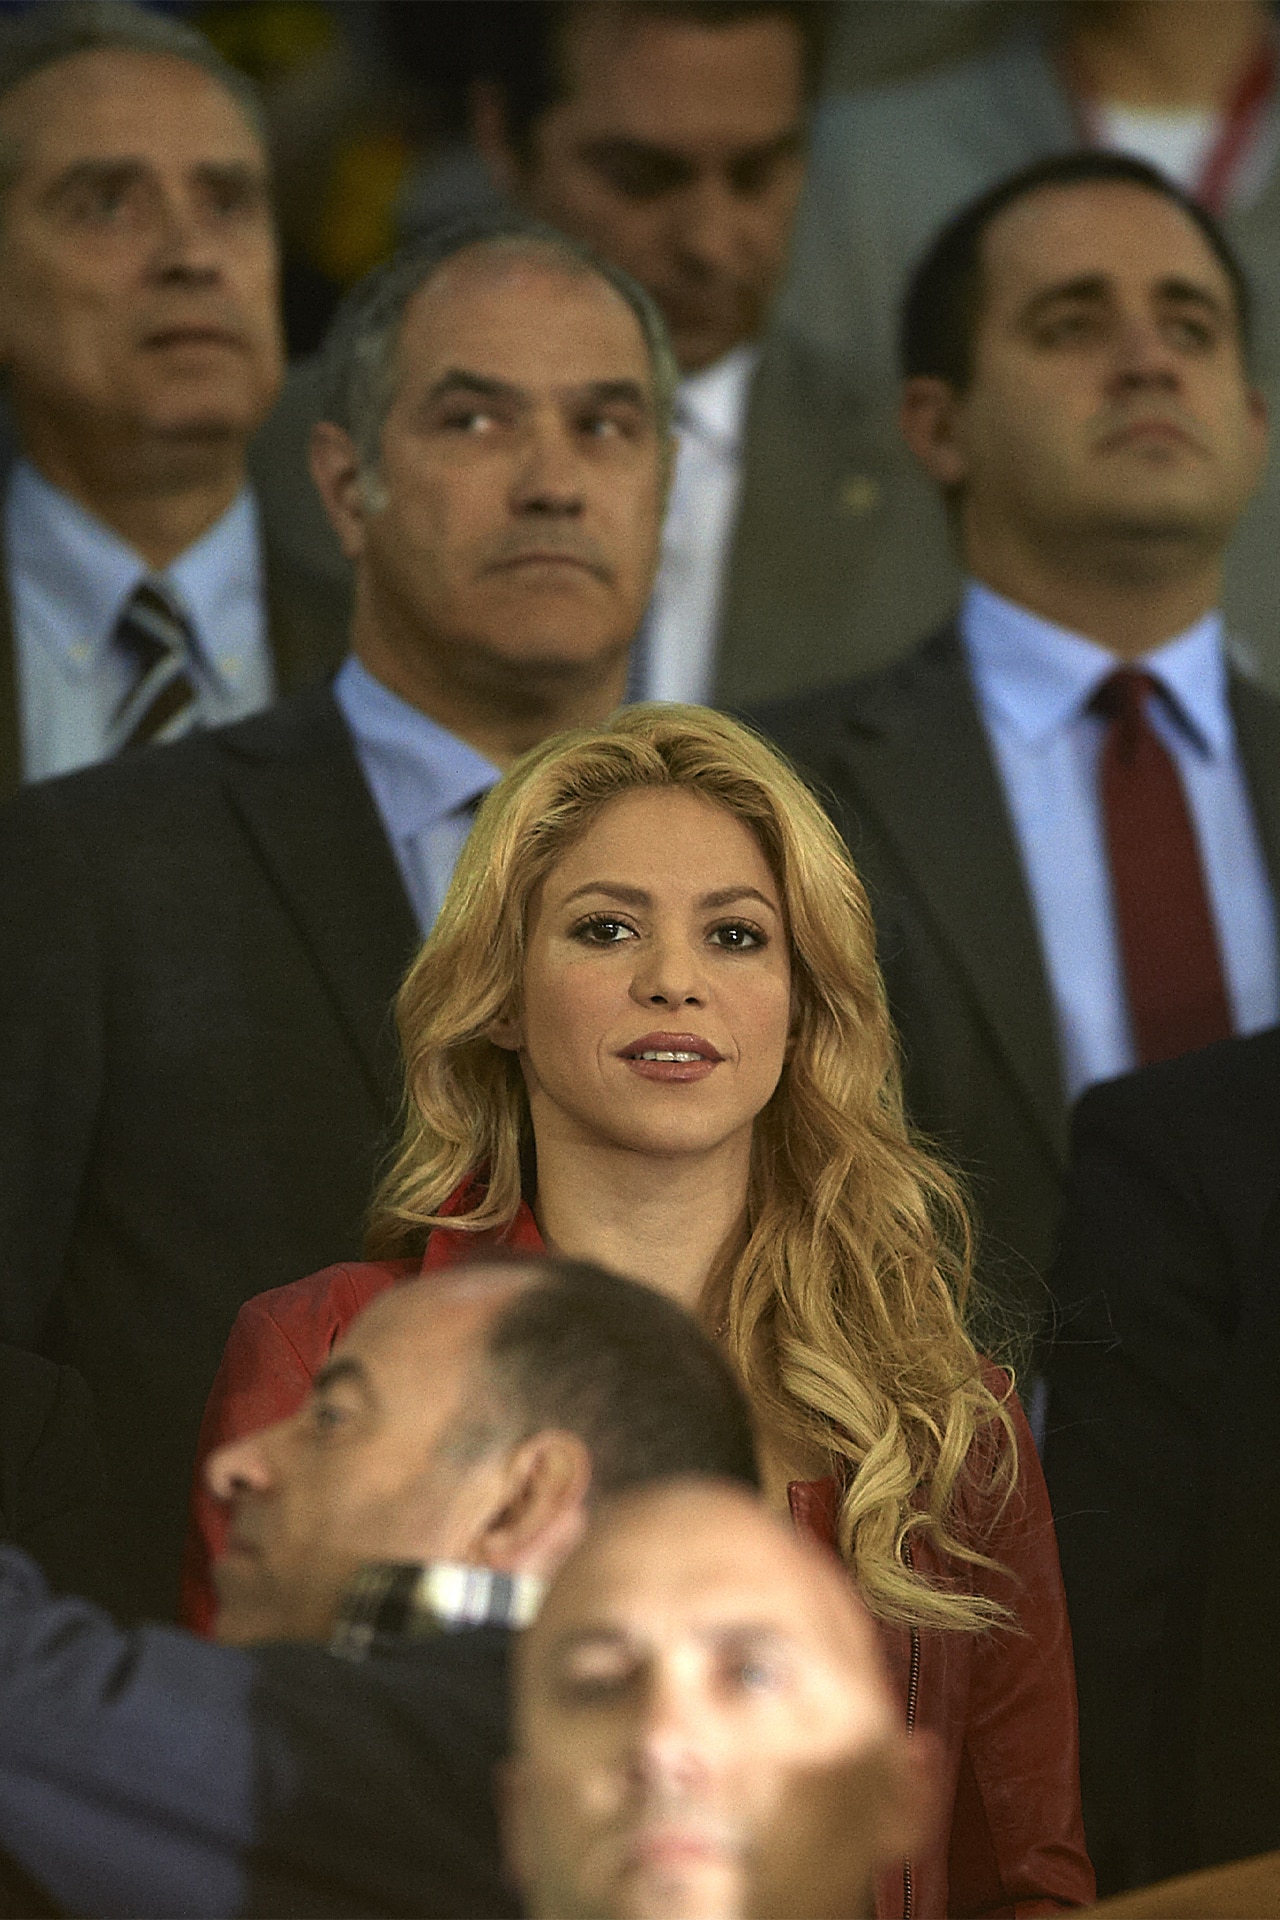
x: 845, y: 1306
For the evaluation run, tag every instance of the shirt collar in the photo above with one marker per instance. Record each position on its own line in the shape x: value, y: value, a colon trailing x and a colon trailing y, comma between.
x: 399, y: 1601
x: 89, y: 573
x: 713, y: 402
x: 1039, y: 677
x: 420, y: 772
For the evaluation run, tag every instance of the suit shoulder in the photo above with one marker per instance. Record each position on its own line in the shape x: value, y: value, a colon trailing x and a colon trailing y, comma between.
x: 1226, y: 1097
x: 823, y: 712
x: 160, y: 774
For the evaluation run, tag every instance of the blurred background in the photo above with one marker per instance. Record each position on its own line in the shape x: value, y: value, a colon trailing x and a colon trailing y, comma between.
x: 367, y: 107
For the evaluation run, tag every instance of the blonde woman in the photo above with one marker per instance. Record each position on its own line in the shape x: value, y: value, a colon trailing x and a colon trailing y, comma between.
x: 648, y: 1029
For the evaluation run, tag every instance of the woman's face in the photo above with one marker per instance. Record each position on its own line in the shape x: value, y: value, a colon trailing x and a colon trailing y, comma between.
x: 657, y: 982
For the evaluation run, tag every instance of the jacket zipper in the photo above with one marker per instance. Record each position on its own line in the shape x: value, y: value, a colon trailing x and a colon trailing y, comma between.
x: 913, y: 1694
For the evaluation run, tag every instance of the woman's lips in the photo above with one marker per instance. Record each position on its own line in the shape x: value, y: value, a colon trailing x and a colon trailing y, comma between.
x: 671, y: 1057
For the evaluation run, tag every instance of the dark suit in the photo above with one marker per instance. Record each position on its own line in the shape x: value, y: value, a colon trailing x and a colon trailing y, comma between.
x: 307, y: 624
x: 1163, y: 1457
x: 904, y: 759
x: 197, y: 1070
x: 154, y: 1775
x: 51, y: 1478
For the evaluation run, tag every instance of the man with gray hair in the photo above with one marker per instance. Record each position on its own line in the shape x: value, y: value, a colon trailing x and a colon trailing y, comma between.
x: 141, y: 346
x: 199, y: 948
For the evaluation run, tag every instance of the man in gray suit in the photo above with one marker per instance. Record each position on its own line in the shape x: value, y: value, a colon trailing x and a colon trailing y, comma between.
x: 1073, y: 865
x: 1191, y: 87
x: 140, y: 341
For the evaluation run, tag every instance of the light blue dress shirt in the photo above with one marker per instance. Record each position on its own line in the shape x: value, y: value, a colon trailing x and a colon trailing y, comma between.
x: 424, y: 780
x: 1034, y: 682
x: 70, y: 579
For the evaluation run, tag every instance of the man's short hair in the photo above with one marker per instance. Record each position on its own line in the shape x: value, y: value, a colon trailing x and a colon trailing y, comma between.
x: 943, y: 303
x: 620, y: 1365
x: 520, y: 44
x: 47, y: 34
x: 361, y: 351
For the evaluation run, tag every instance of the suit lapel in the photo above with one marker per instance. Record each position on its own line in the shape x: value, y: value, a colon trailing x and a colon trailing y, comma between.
x: 1257, y: 721
x: 296, y: 786
x: 921, y: 763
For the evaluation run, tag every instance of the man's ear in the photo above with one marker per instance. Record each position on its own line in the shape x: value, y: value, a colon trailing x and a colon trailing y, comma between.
x: 928, y: 416
x: 542, y: 1506
x: 490, y: 135
x: 335, y: 469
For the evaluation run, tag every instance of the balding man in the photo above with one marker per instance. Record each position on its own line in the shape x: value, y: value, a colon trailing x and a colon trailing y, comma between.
x: 141, y: 347
x: 704, y: 1730
x: 405, y: 1520
x: 199, y: 949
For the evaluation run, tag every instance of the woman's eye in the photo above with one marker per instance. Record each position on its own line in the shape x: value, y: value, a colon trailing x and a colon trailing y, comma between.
x: 603, y: 931
x: 737, y: 936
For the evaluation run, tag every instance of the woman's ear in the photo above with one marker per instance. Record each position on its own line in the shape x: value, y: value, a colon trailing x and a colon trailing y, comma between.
x: 542, y: 1509
x: 508, y: 1032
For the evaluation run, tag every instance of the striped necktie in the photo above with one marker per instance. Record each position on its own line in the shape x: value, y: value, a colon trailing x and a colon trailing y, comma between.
x: 161, y: 703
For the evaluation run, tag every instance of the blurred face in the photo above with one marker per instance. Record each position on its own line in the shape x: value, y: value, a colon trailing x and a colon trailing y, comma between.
x: 678, y: 153
x: 1109, y: 396
x: 363, y: 1471
x: 138, y: 277
x: 522, y: 476
x: 657, y: 983
x: 694, y: 1678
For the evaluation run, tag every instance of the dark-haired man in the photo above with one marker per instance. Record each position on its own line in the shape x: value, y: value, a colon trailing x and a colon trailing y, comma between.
x: 1066, y: 804
x: 1192, y: 88
x: 199, y: 948
x: 141, y: 348
x: 405, y: 1519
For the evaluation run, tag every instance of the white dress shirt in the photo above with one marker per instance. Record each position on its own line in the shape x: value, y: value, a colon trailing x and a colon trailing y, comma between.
x: 1034, y: 683
x: 70, y: 579
x: 675, y: 657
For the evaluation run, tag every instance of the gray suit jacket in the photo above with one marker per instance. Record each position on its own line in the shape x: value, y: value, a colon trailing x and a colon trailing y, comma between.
x: 198, y: 1072
x: 307, y: 625
x: 903, y: 761
x: 888, y: 166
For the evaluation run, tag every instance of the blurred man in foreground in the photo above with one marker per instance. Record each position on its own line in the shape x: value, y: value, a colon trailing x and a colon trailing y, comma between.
x: 404, y: 1519
x: 704, y: 1730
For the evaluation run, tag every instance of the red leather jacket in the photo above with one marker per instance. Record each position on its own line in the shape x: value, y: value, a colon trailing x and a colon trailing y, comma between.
x: 1002, y: 1704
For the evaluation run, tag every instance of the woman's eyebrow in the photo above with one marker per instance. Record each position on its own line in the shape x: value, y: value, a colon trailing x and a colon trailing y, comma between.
x: 725, y: 896
x: 616, y: 889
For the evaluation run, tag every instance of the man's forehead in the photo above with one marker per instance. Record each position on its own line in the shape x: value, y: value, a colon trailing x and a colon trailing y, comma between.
x: 1111, y: 231
x: 441, y: 1311
x: 677, y: 81
x: 645, y: 1584
x: 116, y: 102
x: 512, y: 315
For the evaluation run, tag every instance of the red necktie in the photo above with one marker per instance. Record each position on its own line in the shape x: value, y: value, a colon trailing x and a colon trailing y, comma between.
x: 1173, y: 970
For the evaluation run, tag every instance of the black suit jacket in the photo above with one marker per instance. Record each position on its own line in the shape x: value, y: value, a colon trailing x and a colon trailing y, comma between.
x: 903, y: 760
x: 51, y: 1479
x: 198, y: 953
x: 1163, y: 1458
x: 307, y: 627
